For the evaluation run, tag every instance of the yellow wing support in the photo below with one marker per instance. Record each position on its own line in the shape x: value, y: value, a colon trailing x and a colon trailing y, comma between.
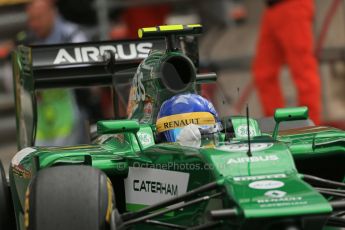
x: 166, y: 30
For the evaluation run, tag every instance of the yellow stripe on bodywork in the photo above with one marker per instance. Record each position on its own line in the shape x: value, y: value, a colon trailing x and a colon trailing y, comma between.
x: 171, y: 27
x: 159, y: 30
x: 194, y: 25
x: 147, y: 29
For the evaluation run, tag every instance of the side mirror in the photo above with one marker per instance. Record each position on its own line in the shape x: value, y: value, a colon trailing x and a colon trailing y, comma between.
x: 117, y: 126
x: 289, y: 114
x: 120, y: 126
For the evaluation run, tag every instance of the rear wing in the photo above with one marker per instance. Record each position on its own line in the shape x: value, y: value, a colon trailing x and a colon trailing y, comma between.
x: 83, y: 64
x: 72, y: 66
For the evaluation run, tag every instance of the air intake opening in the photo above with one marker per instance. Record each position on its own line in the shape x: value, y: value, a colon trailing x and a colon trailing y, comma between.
x: 177, y: 72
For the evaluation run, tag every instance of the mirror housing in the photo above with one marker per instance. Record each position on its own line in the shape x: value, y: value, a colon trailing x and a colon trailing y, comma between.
x: 289, y: 114
x: 117, y: 126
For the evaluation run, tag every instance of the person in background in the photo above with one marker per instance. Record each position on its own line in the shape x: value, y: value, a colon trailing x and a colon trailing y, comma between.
x: 136, y: 17
x: 46, y: 25
x: 60, y: 121
x: 286, y: 36
x: 145, y: 16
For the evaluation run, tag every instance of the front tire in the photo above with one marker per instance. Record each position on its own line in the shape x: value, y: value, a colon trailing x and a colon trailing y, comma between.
x: 69, y: 198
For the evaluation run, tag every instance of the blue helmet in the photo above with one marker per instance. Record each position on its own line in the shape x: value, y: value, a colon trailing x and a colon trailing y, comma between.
x: 185, y: 109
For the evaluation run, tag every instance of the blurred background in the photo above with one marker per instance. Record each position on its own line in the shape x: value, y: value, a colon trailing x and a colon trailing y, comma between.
x: 227, y: 47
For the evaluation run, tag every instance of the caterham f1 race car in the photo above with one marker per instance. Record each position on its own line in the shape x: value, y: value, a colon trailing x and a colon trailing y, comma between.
x: 240, y: 177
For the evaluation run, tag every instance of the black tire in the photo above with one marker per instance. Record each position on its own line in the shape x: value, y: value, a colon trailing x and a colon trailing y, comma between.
x: 7, y: 220
x: 69, y: 198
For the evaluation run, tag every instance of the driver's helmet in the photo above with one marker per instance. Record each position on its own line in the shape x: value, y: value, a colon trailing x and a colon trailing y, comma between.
x: 183, y: 110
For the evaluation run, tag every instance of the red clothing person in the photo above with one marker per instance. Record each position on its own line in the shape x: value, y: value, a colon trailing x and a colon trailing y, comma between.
x: 286, y: 37
x: 145, y: 16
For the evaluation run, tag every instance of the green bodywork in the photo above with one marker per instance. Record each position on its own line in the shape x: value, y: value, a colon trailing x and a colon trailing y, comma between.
x: 266, y: 186
x: 226, y: 163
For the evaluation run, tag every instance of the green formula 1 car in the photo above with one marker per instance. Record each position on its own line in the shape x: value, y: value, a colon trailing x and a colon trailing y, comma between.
x: 243, y: 177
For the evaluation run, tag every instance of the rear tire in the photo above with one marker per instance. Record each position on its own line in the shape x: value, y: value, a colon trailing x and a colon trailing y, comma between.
x: 69, y: 198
